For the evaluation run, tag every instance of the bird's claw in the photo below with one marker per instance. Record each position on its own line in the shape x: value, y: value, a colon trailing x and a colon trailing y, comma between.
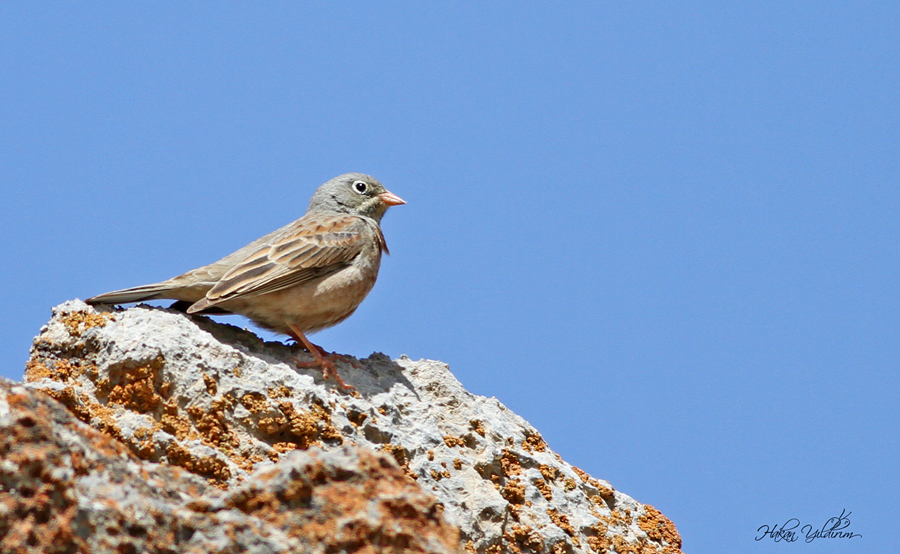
x: 326, y: 362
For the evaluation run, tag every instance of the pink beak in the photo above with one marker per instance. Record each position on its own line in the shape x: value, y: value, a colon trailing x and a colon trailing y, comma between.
x: 391, y: 199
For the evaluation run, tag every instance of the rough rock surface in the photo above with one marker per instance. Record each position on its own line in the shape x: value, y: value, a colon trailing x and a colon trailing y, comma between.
x: 184, y: 393
x: 65, y: 487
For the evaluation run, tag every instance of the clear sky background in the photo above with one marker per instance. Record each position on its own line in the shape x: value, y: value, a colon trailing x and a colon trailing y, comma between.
x: 666, y: 234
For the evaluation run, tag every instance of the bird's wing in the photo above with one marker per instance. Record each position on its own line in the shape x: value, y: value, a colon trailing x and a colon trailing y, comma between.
x: 312, y: 247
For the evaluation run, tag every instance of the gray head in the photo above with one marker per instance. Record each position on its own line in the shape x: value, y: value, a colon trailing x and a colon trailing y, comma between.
x: 354, y: 193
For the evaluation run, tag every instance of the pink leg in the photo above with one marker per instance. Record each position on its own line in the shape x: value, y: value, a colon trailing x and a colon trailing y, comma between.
x: 323, y: 359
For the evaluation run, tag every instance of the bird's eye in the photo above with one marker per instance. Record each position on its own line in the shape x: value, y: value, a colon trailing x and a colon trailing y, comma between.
x: 360, y: 187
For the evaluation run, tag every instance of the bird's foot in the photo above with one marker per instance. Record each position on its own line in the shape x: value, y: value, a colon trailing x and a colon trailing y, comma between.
x: 324, y: 359
x: 326, y: 362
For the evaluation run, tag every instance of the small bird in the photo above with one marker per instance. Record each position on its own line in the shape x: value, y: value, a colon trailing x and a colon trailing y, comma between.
x: 308, y: 275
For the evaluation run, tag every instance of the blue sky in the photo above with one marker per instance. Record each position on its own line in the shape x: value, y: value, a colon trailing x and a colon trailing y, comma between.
x: 665, y: 234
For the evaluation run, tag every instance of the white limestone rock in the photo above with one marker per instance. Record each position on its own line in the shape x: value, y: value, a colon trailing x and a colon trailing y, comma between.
x: 220, y: 402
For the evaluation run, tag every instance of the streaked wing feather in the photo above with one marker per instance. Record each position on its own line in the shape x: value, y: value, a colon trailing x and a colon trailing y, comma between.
x: 312, y: 248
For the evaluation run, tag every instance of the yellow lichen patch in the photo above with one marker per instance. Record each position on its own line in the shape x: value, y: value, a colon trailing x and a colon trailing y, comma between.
x: 430, y: 455
x: 247, y: 462
x: 550, y: 473
x: 62, y: 370
x: 515, y: 511
x: 477, y: 426
x: 599, y: 542
x: 213, y: 428
x: 255, y: 403
x: 622, y: 546
x: 510, y: 463
x: 280, y: 391
x: 457, y: 464
x: 534, y: 442
x: 522, y: 539
x: 282, y: 447
x: 371, y: 509
x: 584, y: 476
x: 96, y: 415
x: 562, y: 522
x: 309, y: 427
x: 178, y: 425
x: 543, y: 488
x: 658, y: 527
x: 452, y: 441
x: 134, y: 388
x: 401, y: 455
x: 617, y: 518
x: 143, y: 433
x: 209, y: 466
x: 514, y: 492
x: 35, y: 371
x: 570, y: 484
x: 605, y: 491
x: 438, y: 475
x: 78, y: 322
x: 143, y: 442
x: 211, y: 386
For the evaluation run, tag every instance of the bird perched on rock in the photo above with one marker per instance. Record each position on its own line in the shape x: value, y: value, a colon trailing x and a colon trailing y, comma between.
x: 308, y: 275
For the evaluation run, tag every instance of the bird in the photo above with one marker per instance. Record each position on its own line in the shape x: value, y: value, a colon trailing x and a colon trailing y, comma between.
x: 306, y: 276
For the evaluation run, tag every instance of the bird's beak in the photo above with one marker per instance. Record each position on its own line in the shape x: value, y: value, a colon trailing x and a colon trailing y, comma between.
x: 391, y: 199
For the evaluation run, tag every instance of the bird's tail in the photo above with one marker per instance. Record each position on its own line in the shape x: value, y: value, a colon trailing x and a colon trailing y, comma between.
x: 134, y: 294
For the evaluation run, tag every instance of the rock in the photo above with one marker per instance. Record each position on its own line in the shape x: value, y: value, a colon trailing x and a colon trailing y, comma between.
x: 65, y: 487
x: 184, y: 393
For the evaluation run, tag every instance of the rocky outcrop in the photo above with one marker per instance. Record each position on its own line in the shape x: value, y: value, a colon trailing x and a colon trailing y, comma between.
x: 200, y: 437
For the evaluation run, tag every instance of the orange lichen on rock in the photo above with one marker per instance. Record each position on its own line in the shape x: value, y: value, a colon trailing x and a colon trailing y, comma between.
x: 544, y: 489
x: 510, y: 463
x: 452, y: 441
x: 255, y: 403
x: 401, y: 456
x: 521, y: 539
x: 598, y: 542
x: 477, y: 426
x: 135, y: 388
x: 561, y: 521
x: 178, y: 425
x: 550, y: 473
x: 156, y: 382
x: 658, y: 527
x: 61, y: 370
x: 280, y: 391
x: 80, y: 321
x: 211, y: 385
x: 370, y: 508
x: 97, y: 415
x: 213, y: 427
x: 307, y: 428
x: 534, y: 443
x: 605, y: 491
x: 514, y: 492
x: 215, y: 469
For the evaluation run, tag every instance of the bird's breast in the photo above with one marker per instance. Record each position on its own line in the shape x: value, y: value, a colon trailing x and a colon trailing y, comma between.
x: 316, y: 304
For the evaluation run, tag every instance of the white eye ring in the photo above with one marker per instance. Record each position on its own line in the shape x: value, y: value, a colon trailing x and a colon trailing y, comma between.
x: 360, y: 187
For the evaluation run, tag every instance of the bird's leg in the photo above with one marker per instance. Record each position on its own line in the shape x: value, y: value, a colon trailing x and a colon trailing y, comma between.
x: 323, y: 358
